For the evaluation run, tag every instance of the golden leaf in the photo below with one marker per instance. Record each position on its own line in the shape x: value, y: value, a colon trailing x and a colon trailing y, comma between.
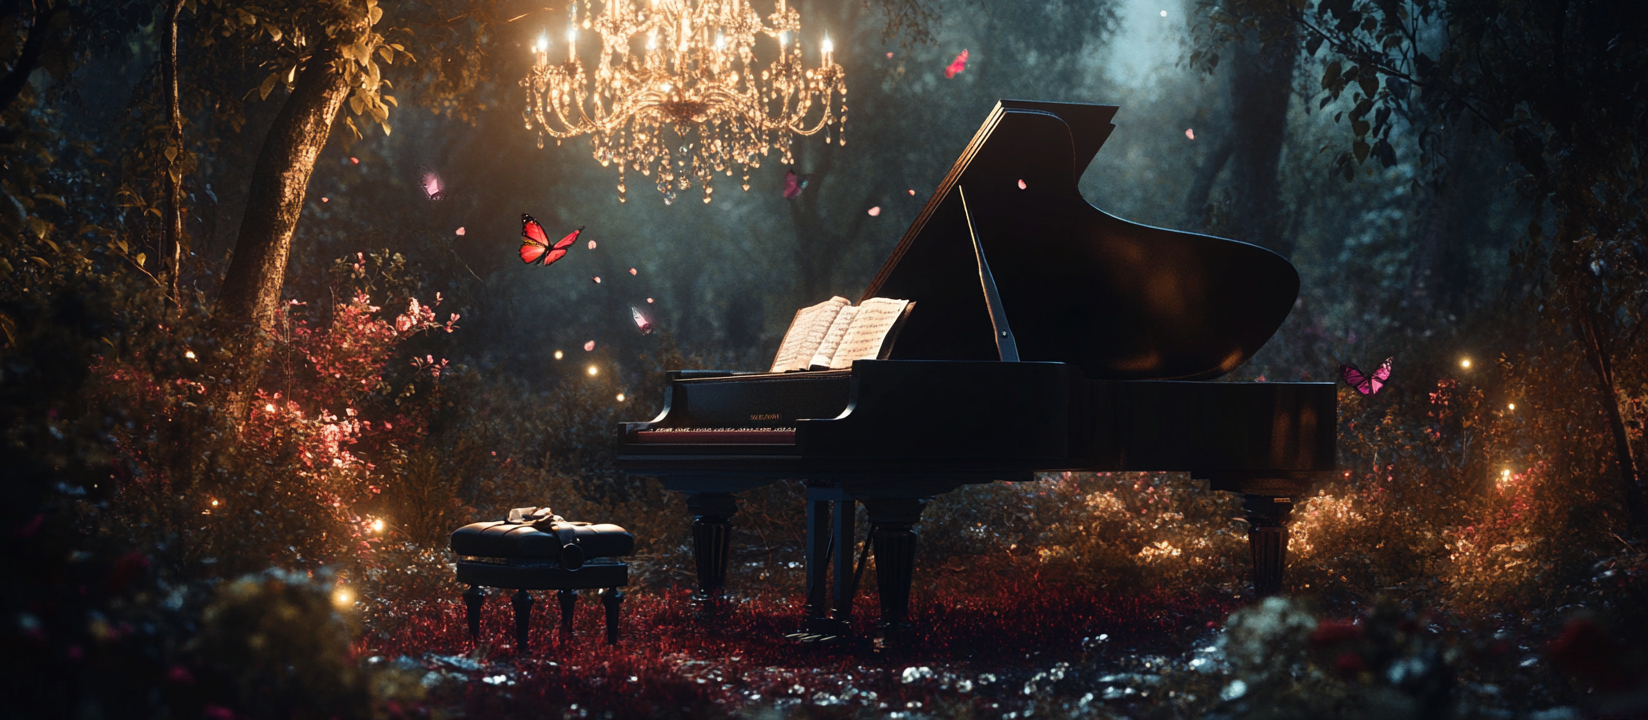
x: 141, y: 257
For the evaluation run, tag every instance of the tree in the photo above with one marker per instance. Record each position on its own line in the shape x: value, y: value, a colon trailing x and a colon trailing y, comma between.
x: 1559, y: 83
x: 1265, y: 50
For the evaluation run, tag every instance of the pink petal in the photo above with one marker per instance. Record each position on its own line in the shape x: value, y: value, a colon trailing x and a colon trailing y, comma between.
x: 592, y: 244
x: 1190, y: 133
x: 597, y: 279
x: 875, y: 211
x: 589, y: 346
x: 1021, y: 184
x: 632, y: 271
x: 460, y: 232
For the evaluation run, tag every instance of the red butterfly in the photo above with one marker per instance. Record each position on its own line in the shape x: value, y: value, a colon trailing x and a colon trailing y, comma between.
x: 959, y: 65
x: 1365, y: 383
x: 793, y: 184
x: 535, y: 245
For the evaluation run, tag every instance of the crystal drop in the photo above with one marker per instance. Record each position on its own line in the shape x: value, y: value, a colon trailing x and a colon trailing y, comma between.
x: 540, y: 142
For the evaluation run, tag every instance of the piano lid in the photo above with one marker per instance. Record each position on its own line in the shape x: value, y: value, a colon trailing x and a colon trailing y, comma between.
x: 1122, y: 300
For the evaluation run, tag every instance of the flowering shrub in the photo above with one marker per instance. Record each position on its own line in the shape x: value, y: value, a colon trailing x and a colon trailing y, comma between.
x: 298, y: 481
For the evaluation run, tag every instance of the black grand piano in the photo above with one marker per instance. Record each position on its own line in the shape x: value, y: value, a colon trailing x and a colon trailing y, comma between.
x: 1047, y: 336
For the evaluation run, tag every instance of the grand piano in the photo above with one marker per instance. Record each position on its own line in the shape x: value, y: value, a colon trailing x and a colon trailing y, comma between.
x: 1047, y: 336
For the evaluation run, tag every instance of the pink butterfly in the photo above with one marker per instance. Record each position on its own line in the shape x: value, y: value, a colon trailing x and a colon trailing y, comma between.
x: 793, y: 184
x: 432, y: 185
x: 1365, y: 383
x: 958, y: 65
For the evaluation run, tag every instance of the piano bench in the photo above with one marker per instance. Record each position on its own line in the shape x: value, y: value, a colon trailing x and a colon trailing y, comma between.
x: 538, y: 551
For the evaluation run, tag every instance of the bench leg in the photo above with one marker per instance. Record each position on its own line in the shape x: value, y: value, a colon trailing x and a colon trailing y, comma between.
x: 523, y: 618
x: 612, y: 598
x: 473, y: 597
x: 569, y: 601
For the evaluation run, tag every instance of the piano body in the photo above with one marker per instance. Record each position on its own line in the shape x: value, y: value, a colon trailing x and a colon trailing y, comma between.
x: 1047, y: 336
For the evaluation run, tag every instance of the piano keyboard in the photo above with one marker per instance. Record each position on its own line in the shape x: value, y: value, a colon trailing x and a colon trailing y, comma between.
x: 717, y: 436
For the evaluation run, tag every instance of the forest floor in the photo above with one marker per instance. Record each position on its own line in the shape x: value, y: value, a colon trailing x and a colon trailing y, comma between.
x: 988, y: 644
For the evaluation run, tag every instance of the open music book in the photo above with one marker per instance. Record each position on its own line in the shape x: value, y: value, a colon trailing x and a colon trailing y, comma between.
x: 834, y: 333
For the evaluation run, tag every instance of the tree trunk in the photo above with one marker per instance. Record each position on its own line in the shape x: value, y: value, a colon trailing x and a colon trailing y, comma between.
x: 280, y: 178
x: 1599, y: 357
x: 1261, y: 84
x: 11, y: 86
x: 174, y: 173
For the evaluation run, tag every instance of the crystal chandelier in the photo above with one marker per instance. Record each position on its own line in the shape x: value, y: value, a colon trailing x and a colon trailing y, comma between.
x: 678, y: 93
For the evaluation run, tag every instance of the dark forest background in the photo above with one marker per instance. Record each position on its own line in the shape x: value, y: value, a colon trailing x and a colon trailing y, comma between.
x: 236, y: 334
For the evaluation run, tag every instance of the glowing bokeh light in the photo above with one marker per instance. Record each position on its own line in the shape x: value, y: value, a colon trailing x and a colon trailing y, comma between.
x: 620, y: 397
x: 189, y: 354
x: 377, y: 525
x: 343, y: 598
x: 559, y: 354
x: 269, y: 408
x: 1466, y: 363
x: 593, y: 371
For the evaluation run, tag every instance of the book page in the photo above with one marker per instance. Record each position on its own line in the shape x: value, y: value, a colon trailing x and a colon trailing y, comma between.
x: 832, y: 338
x: 868, y: 332
x: 805, y: 333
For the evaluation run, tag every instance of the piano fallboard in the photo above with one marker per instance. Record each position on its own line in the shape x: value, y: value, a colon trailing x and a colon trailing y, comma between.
x: 898, y: 420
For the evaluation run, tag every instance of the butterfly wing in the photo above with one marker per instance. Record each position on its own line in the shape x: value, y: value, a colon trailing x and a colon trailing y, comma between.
x: 1380, y: 376
x: 792, y: 185
x: 534, y: 241
x: 432, y: 186
x: 1354, y: 377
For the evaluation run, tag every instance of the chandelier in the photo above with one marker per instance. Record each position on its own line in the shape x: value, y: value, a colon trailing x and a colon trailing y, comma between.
x: 678, y: 93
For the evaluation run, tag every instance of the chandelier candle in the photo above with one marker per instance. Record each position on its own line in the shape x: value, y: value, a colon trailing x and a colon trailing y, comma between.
x: 679, y: 92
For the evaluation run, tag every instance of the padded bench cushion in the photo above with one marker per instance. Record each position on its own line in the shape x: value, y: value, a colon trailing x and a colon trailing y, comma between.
x: 503, y: 539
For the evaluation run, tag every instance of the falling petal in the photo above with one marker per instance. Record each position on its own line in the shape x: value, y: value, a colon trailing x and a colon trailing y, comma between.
x: 649, y: 301
x: 597, y: 279
x: 958, y: 65
x: 460, y: 232
x: 592, y: 244
x: 912, y: 192
x: 589, y: 346
x: 1190, y: 133
x: 632, y: 271
x: 875, y: 211
x: 641, y: 321
x: 354, y: 161
x: 889, y: 55
x: 326, y: 199
x: 1021, y: 184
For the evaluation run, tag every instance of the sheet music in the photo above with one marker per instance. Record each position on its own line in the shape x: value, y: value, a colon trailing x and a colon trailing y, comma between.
x: 868, y: 331
x: 832, y: 337
x: 806, y: 332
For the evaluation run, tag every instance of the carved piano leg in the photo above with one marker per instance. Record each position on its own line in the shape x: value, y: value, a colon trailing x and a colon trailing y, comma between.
x: 523, y: 618
x: 892, y: 523
x: 473, y: 597
x: 711, y: 541
x: 1267, y: 537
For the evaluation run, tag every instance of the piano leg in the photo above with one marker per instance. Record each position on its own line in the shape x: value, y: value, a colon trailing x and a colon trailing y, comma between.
x: 892, y: 523
x: 1267, y: 537
x: 830, y: 516
x: 845, y: 517
x: 711, y: 541
x: 473, y: 597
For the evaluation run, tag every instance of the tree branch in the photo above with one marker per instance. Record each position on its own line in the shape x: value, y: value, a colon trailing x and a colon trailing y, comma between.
x: 11, y: 86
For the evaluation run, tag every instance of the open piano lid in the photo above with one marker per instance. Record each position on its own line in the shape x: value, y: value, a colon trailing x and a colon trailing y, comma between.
x: 1123, y: 301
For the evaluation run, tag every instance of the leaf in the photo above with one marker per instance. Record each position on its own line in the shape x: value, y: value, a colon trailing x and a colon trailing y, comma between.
x: 38, y: 227
x: 1361, y: 149
x: 266, y: 87
x: 355, y: 103
x: 1369, y: 83
x: 391, y: 100
x: 1330, y: 77
x: 171, y: 153
x: 1313, y: 44
x: 52, y: 199
x: 387, y: 129
x: 141, y: 257
x: 274, y: 32
x: 1360, y: 127
x: 40, y: 261
x: 376, y: 15
x: 387, y: 55
x: 1385, y: 153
